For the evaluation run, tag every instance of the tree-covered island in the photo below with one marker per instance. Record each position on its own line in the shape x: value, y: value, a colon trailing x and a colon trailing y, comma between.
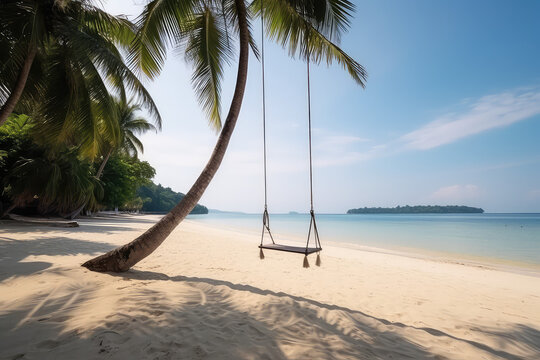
x: 419, y: 209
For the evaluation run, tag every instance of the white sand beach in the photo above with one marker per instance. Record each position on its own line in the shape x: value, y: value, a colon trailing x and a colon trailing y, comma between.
x: 204, y: 294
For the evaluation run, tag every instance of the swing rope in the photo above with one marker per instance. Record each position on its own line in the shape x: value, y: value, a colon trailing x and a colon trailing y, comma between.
x: 266, y: 217
x: 309, y: 130
x: 312, y: 222
x: 263, y: 108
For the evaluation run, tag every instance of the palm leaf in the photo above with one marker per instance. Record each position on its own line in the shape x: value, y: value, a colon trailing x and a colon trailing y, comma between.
x: 109, y: 61
x: 207, y: 49
x: 160, y: 26
x: 301, y: 28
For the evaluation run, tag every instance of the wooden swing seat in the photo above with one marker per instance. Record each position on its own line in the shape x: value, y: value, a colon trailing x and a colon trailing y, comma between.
x: 291, y: 249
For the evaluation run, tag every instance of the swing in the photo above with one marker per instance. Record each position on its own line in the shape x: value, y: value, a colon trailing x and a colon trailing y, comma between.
x: 313, y: 232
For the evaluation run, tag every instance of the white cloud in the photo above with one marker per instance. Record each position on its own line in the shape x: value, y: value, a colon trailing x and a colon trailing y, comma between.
x: 456, y: 193
x: 488, y: 112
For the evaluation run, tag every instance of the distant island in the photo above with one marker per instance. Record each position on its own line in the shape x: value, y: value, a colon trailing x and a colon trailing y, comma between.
x: 419, y: 209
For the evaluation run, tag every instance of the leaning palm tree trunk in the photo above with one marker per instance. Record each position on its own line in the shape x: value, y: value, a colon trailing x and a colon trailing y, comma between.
x: 20, y: 83
x: 123, y: 258
x: 102, y: 166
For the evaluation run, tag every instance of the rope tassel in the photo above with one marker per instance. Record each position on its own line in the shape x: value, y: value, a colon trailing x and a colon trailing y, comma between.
x: 306, y: 262
x: 261, y: 254
x: 318, y: 262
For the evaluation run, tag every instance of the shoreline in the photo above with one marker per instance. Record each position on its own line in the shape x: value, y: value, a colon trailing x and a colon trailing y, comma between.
x: 492, y: 263
x: 485, y: 262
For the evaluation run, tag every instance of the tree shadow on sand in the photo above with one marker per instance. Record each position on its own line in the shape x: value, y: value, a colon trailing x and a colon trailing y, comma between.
x: 203, y: 318
x: 13, y: 252
x: 520, y: 335
x: 145, y: 326
x: 196, y: 323
x: 99, y: 225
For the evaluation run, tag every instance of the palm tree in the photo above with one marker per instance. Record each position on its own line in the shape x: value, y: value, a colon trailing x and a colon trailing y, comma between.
x: 123, y: 139
x: 62, y: 60
x: 130, y: 125
x: 203, y: 29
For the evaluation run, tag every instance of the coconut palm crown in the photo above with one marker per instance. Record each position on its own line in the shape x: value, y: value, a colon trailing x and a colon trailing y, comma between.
x: 204, y: 31
x: 130, y: 125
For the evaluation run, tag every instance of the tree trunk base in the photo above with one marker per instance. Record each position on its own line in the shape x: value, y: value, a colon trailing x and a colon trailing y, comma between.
x: 117, y: 260
x: 109, y: 262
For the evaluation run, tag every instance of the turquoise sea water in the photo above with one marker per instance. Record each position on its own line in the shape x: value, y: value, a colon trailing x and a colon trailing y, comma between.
x: 508, y: 237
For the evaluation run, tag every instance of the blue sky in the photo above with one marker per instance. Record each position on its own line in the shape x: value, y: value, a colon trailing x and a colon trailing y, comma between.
x: 450, y: 115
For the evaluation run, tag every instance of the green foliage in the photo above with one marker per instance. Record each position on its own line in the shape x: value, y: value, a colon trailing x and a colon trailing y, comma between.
x: 78, y: 63
x: 161, y: 200
x: 60, y: 184
x: 199, y: 30
x: 61, y: 181
x: 311, y: 29
x: 15, y: 144
x: 121, y: 178
x: 419, y: 209
x: 130, y: 125
x: 208, y: 49
x: 57, y: 182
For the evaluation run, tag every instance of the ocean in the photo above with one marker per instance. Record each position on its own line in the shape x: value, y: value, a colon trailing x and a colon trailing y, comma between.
x: 513, y: 238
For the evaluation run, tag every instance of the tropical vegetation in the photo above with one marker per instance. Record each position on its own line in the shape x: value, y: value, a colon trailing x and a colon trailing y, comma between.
x: 63, y: 89
x: 34, y: 176
x: 36, y: 181
x: 159, y: 199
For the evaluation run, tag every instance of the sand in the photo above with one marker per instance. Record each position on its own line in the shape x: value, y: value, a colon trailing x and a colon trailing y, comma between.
x: 204, y: 294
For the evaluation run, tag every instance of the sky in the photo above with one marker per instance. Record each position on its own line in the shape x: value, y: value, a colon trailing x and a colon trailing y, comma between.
x: 450, y: 115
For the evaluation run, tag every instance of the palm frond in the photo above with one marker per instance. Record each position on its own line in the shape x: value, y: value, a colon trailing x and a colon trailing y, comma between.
x: 75, y: 104
x: 140, y: 126
x: 61, y: 183
x: 207, y: 50
x: 118, y: 29
x: 301, y: 27
x: 160, y: 26
x: 108, y: 60
x: 130, y: 125
x: 133, y: 143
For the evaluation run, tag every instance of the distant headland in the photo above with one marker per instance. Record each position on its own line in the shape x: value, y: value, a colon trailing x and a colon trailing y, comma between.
x: 419, y: 209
